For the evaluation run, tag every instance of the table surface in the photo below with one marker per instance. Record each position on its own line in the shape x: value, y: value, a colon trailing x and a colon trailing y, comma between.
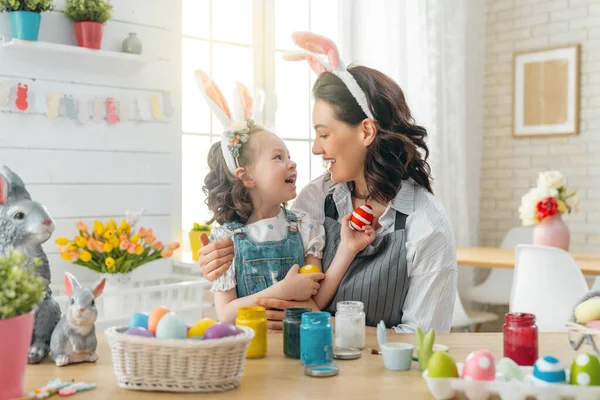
x: 492, y: 257
x: 281, y: 377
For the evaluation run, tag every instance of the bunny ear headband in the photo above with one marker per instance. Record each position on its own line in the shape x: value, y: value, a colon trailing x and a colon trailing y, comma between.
x: 316, y: 44
x: 237, y: 125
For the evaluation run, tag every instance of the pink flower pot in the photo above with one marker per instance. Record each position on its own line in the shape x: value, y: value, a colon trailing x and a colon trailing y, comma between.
x: 88, y: 34
x: 15, y: 338
x: 552, y: 231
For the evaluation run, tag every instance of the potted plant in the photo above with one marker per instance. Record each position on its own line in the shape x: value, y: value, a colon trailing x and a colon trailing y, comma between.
x: 21, y: 290
x: 25, y: 16
x: 544, y: 205
x: 89, y: 17
x: 195, y: 242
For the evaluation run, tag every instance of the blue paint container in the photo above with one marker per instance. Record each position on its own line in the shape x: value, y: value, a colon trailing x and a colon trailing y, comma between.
x: 316, y: 338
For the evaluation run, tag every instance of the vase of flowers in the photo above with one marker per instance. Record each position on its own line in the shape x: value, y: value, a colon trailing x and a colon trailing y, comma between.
x: 21, y: 290
x: 25, y: 16
x: 89, y: 17
x: 194, y: 235
x: 544, y: 205
x: 114, y: 251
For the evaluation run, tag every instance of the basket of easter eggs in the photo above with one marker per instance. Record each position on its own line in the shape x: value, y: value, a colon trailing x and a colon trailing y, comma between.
x: 584, y: 325
x: 157, y: 351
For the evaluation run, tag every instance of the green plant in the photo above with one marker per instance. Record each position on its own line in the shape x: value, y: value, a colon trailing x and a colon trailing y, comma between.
x: 20, y: 288
x: 201, y: 228
x: 26, y: 5
x: 88, y: 10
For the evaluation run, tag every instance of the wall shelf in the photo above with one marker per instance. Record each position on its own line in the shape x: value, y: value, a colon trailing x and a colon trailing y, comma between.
x: 52, y: 53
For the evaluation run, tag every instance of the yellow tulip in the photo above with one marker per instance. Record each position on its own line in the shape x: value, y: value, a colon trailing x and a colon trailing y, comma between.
x: 85, y: 256
x: 81, y: 241
x: 109, y: 234
x: 109, y: 262
x: 62, y: 241
x: 72, y: 246
x: 99, y: 227
x: 111, y: 224
x: 108, y: 247
x: 65, y: 255
x: 139, y: 249
x: 135, y: 238
x: 114, y: 242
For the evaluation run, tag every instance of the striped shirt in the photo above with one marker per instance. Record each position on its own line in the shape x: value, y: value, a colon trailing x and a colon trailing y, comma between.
x: 430, y: 248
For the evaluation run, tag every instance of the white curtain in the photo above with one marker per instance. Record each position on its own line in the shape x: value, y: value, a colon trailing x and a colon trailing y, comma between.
x: 434, y: 50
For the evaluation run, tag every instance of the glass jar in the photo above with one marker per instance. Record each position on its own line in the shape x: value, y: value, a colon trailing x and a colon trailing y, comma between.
x: 256, y: 318
x: 521, y: 338
x: 291, y: 331
x: 316, y: 338
x: 350, y: 325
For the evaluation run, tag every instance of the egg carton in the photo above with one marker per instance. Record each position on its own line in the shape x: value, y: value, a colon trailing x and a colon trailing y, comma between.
x: 448, y: 388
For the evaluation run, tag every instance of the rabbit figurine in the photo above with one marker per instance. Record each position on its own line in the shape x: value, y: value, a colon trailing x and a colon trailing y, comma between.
x: 74, y: 338
x: 25, y: 225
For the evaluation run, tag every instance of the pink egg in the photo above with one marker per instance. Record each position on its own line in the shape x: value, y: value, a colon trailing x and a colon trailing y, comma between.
x: 479, y: 366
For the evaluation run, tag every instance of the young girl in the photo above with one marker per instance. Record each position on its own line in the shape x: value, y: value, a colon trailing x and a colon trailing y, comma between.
x: 251, y: 178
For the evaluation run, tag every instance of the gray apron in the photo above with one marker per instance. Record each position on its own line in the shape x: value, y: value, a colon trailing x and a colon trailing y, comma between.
x: 377, y: 276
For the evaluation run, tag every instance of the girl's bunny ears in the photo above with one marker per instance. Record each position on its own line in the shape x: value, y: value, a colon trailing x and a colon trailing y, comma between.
x: 314, y: 44
x: 237, y: 125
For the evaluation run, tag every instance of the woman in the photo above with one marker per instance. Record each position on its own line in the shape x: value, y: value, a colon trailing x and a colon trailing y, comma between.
x: 364, y: 129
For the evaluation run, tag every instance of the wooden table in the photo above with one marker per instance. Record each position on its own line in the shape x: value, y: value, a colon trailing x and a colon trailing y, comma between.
x: 492, y: 257
x: 282, y: 378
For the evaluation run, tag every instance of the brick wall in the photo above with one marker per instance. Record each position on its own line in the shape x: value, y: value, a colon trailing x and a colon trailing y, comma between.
x: 511, y: 165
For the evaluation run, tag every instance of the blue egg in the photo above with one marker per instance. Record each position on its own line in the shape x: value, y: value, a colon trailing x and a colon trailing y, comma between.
x: 549, y: 369
x: 171, y: 326
x: 139, y: 319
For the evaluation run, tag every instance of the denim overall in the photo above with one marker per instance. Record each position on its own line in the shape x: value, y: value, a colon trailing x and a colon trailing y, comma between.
x: 260, y: 265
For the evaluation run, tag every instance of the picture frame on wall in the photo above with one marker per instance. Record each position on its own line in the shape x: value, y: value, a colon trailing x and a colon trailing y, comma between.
x: 546, y: 92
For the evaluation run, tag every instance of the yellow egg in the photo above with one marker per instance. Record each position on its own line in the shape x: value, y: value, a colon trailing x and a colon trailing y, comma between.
x: 309, y: 269
x: 199, y: 327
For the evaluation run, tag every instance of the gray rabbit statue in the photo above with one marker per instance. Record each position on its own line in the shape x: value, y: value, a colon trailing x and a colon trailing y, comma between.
x: 25, y: 225
x: 74, y: 338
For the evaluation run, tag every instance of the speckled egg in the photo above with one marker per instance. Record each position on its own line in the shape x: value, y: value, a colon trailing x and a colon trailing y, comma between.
x: 171, y: 326
x: 479, y: 366
x: 549, y: 369
x: 585, y: 370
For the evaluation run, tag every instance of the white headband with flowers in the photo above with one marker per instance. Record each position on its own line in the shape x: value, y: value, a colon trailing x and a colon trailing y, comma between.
x: 313, y: 45
x: 237, y: 126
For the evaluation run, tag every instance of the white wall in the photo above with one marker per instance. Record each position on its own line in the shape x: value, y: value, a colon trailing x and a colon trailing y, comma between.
x: 510, y: 165
x: 97, y: 171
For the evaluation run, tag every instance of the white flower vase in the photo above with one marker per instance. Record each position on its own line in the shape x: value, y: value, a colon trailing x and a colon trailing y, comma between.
x: 112, y: 297
x: 552, y: 231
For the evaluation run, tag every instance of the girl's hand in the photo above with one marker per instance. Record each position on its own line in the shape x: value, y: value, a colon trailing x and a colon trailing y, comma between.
x: 214, y: 258
x: 355, y: 241
x: 298, y: 286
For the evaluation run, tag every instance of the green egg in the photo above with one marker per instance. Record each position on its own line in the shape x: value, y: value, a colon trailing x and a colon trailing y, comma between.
x: 585, y: 370
x: 442, y: 365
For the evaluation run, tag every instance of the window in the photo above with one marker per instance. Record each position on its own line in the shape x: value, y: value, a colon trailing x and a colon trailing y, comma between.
x: 244, y: 40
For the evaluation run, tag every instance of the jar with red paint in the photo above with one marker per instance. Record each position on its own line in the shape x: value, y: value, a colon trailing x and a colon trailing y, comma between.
x: 521, y: 338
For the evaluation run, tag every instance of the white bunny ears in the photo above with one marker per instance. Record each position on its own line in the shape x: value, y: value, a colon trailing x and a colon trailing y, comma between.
x: 314, y: 44
x: 237, y: 125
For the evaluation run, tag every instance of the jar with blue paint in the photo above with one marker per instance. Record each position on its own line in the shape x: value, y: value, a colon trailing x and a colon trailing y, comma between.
x: 316, y: 338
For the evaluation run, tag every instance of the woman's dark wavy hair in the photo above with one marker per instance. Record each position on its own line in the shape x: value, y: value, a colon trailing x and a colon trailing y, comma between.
x: 226, y: 196
x: 394, y: 154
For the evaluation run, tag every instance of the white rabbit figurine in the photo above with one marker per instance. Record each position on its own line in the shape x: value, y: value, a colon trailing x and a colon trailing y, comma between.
x: 74, y: 338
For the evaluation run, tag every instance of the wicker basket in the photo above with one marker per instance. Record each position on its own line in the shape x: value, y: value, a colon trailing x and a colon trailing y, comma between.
x: 177, y: 365
x: 581, y: 334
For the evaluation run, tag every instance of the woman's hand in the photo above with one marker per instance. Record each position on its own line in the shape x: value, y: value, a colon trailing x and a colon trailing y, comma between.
x: 214, y: 258
x: 355, y: 241
x: 276, y: 309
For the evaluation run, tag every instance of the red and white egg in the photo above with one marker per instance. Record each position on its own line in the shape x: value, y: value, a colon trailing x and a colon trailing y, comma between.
x: 479, y: 366
x: 361, y: 217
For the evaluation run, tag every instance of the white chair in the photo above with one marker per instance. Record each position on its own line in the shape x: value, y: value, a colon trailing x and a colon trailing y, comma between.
x: 495, y: 290
x: 547, y: 283
x: 466, y: 320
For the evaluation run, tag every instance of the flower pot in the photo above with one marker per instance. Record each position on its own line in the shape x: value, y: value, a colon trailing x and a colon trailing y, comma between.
x: 15, y: 338
x: 115, y: 285
x: 88, y: 34
x: 195, y: 243
x: 25, y: 24
x: 552, y: 231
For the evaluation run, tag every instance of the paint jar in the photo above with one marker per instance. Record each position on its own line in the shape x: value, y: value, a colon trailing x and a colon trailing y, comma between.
x: 316, y: 338
x: 291, y: 331
x: 256, y: 318
x: 350, y: 325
